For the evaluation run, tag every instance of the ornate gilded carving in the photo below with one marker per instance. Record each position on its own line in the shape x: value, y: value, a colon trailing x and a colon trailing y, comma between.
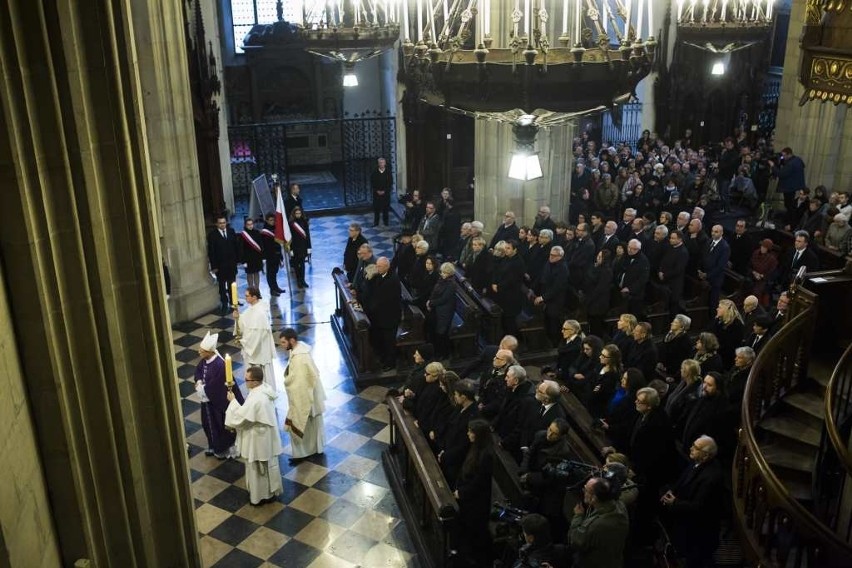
x: 826, y: 65
x: 813, y: 12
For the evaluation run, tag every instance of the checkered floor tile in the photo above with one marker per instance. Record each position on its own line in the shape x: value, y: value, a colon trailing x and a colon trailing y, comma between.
x: 337, y: 508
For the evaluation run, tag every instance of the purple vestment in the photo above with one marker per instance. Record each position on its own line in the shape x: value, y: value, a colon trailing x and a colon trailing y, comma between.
x: 212, y: 374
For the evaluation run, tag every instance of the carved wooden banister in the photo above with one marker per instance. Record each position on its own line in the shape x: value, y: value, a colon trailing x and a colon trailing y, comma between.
x: 777, y: 529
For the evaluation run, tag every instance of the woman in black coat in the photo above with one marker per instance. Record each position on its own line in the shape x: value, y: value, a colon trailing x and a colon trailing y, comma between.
x: 422, y: 286
x: 676, y: 347
x: 478, y: 272
x: 442, y: 307
x: 598, y: 292
x: 621, y: 413
x: 568, y: 349
x: 729, y: 330
x: 473, y: 491
x: 706, y: 353
x: 300, y: 245
x: 603, y: 384
x: 585, y: 368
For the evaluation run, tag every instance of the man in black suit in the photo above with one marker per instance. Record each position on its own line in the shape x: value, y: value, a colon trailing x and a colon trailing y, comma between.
x: 507, y: 231
x: 693, y: 507
x: 634, y: 279
x: 517, y: 406
x: 506, y: 284
x: 452, y: 449
x: 742, y: 247
x: 761, y: 332
x: 643, y: 353
x: 272, y: 255
x: 609, y: 240
x: 384, y: 312
x: 293, y: 199
x: 713, y: 264
x: 350, y: 253
x: 800, y: 255
x: 672, y: 272
x: 625, y: 228
x: 696, y: 244
x: 381, y: 182
x: 582, y: 259
x: 781, y: 313
x: 547, y: 393
x: 223, y: 253
x: 486, y: 356
x: 554, y: 287
x: 751, y: 311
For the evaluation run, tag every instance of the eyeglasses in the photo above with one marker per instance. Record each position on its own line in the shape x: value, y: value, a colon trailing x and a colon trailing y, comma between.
x: 697, y: 448
x: 254, y: 380
x: 642, y: 402
x: 604, y: 356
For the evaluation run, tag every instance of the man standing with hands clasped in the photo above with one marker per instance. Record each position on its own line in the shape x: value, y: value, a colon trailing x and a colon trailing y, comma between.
x: 381, y: 182
x: 305, y: 398
x: 257, y: 437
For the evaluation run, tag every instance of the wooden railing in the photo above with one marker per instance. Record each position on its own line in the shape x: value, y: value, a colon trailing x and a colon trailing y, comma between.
x: 426, y: 501
x: 355, y: 323
x: 834, y: 463
x: 777, y: 529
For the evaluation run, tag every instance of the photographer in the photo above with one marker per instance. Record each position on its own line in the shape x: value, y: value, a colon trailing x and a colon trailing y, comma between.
x: 538, y: 547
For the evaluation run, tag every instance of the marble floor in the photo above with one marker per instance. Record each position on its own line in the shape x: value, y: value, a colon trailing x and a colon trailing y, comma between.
x: 337, y: 509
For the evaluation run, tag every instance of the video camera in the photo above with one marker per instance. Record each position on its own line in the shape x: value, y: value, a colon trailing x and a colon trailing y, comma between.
x: 573, y: 475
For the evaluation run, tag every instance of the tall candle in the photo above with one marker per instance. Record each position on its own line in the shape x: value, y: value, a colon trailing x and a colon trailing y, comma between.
x: 679, y: 9
x: 486, y: 17
x: 706, y: 8
x: 650, y: 18
x: 724, y: 9
x: 627, y: 21
x: 769, y: 9
x: 419, y: 20
x: 405, y: 19
x: 639, y: 15
x: 229, y: 371
x: 527, y: 17
x: 564, y: 17
x: 578, y: 13
x: 605, y: 18
x: 692, y: 11
x: 234, y: 298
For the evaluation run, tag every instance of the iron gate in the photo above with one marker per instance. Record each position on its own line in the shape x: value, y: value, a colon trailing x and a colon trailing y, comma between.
x: 626, y: 128
x: 331, y: 159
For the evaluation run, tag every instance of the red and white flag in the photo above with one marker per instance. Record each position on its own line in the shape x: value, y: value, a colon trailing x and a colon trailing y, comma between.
x: 282, y: 227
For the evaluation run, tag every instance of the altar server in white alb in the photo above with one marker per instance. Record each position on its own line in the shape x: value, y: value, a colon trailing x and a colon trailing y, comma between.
x: 255, y: 328
x: 258, y: 441
x: 305, y: 399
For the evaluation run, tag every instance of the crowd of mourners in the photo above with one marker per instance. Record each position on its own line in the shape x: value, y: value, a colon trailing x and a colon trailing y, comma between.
x: 639, y: 238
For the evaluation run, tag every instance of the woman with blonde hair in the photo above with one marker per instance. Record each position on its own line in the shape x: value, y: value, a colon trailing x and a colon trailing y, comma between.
x: 685, y: 393
x: 729, y: 330
x: 623, y: 337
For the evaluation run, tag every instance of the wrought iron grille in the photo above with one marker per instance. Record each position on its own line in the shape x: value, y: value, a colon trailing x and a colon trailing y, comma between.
x: 342, y: 153
x: 630, y: 128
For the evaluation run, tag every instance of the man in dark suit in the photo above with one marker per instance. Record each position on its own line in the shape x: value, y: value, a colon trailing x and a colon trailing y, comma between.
x: 486, y: 356
x: 696, y: 244
x: 223, y: 253
x: 548, y: 409
x: 507, y: 231
x: 800, y: 255
x: 742, y: 247
x: 506, y: 284
x: 517, y: 406
x: 452, y: 449
x: 634, y: 279
x: 272, y: 255
x: 293, y: 199
x: 760, y: 333
x: 609, y: 240
x: 751, y: 311
x: 693, y: 507
x: 672, y: 272
x: 554, y: 287
x: 381, y: 182
x: 625, y: 228
x: 582, y: 259
x: 384, y: 312
x: 714, y: 263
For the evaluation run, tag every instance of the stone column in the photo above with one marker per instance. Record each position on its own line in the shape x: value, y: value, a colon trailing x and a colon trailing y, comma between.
x: 82, y: 271
x: 170, y: 130
x: 819, y: 133
x: 496, y: 193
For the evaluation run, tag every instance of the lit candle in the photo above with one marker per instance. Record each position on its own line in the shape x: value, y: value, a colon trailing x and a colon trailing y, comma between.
x: 234, y: 298
x: 706, y: 8
x: 769, y: 9
x: 404, y: 19
x: 527, y: 17
x: 724, y: 9
x: 627, y: 21
x: 650, y: 18
x: 679, y: 9
x: 432, y: 19
x: 486, y: 17
x: 564, y: 17
x: 419, y: 20
x: 578, y: 16
x: 479, y: 24
x: 229, y: 371
x: 605, y: 18
x: 639, y: 15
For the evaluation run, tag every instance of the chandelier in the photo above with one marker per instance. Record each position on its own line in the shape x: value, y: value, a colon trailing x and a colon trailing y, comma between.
x: 349, y: 30
x: 542, y: 61
x: 723, y: 26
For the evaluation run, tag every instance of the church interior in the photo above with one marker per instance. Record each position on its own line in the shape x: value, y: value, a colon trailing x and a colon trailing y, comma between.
x: 131, y: 126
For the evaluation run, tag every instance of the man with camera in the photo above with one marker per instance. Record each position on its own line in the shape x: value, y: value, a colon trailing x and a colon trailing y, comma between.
x: 599, y: 527
x: 790, y: 171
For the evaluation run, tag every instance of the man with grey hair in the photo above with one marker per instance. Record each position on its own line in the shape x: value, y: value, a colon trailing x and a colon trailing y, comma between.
x: 838, y: 237
x: 466, y: 255
x: 625, y: 228
x: 547, y: 393
x: 633, y: 281
x: 682, y: 222
x: 553, y: 288
x: 738, y: 375
x: 751, y: 311
x: 536, y: 258
x: 609, y: 240
x: 518, y: 404
x: 365, y: 258
x: 385, y: 313
x: 693, y: 506
x: 507, y: 230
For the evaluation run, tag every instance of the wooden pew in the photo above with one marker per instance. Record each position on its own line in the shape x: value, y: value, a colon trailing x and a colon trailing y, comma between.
x: 491, y: 313
x: 531, y: 323
x: 425, y: 500
x: 412, y: 328
x: 464, y: 331
x: 355, y: 328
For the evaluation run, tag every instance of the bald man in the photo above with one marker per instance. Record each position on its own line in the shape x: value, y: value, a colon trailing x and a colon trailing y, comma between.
x: 385, y: 313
